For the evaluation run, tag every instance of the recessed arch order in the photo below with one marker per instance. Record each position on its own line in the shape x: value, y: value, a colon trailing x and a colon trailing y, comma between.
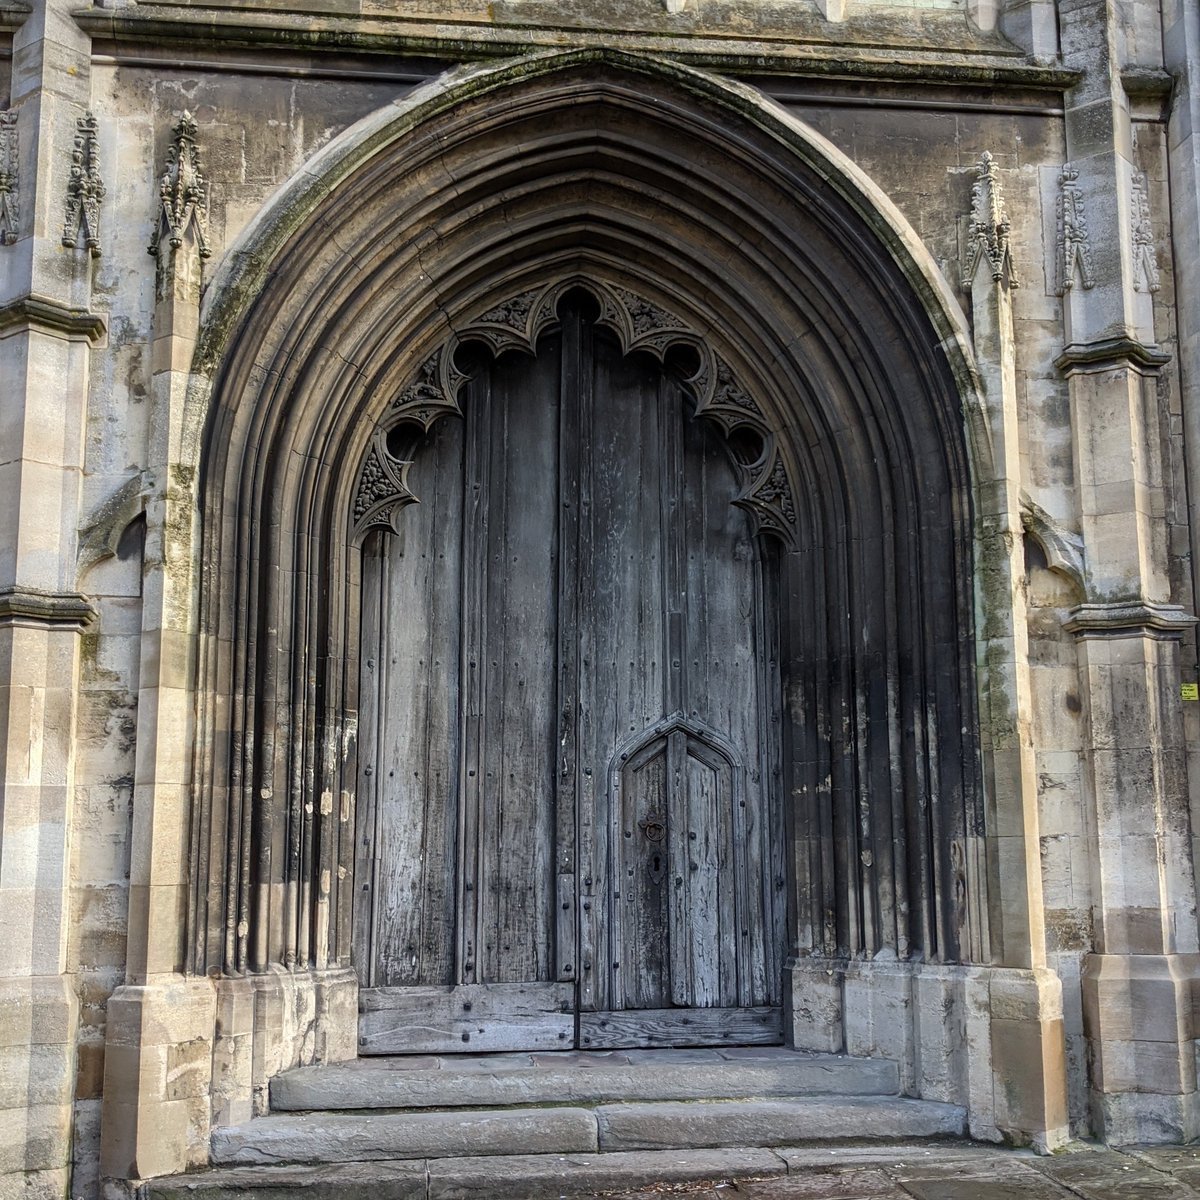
x: 694, y: 197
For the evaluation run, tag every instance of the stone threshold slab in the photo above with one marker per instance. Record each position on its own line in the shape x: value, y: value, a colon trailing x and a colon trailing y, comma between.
x: 485, y: 1081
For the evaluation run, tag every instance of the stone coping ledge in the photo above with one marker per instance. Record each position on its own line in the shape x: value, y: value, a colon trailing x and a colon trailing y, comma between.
x: 1110, y: 354
x: 1128, y: 618
x: 45, y: 315
x: 32, y: 606
x: 13, y: 16
x: 900, y: 45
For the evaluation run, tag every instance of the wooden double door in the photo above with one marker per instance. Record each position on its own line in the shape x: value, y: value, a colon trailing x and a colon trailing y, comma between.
x: 569, y: 722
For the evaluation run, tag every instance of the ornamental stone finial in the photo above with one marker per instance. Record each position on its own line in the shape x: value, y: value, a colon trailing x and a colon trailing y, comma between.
x: 85, y: 188
x: 988, y: 237
x: 9, y: 157
x: 1145, y: 261
x: 183, y: 193
x: 1073, y: 240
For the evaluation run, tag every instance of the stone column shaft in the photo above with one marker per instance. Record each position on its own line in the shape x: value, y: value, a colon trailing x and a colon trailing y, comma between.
x: 1137, y: 983
x: 45, y: 334
x: 1023, y: 998
x: 161, y: 1024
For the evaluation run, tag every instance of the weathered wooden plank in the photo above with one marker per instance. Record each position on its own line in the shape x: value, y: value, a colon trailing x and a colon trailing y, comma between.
x: 591, y: 787
x: 644, y: 876
x: 443, y: 728
x: 517, y: 815
x: 567, y: 767
x: 567, y: 932
x: 466, y: 1019
x: 681, y: 1027
x: 417, y: 772
x: 366, y: 856
x: 476, y: 521
x: 711, y: 877
x: 682, y: 930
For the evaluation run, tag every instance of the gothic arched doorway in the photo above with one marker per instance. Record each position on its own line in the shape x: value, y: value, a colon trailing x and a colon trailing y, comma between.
x: 847, y: 439
x: 570, y: 710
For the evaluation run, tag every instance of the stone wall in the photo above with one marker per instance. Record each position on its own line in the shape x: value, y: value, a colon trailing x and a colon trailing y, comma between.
x: 80, y: 469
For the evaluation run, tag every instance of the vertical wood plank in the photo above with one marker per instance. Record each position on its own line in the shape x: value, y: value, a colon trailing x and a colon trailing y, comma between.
x: 517, y: 816
x: 437, y: 936
x: 366, y: 860
x: 591, y: 777
x: 643, y: 869
x: 682, y: 930
x: 475, y: 575
x: 571, y: 408
x: 417, y: 771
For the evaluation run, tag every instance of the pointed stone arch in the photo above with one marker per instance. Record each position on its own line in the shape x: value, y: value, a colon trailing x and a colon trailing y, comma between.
x: 706, y: 201
x: 418, y: 228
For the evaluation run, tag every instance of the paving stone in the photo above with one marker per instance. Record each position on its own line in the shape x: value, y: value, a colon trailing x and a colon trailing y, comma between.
x: 955, y: 1186
x: 536, y: 1177
x: 849, y: 1183
x: 343, y: 1181
x: 771, y: 1123
x: 1173, y: 1159
x: 342, y: 1137
x: 1109, y: 1175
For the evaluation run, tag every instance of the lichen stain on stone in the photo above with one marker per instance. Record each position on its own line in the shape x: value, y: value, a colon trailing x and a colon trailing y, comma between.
x: 1069, y: 929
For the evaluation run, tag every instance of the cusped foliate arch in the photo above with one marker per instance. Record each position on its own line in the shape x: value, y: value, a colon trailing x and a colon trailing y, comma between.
x: 471, y: 205
x: 765, y: 476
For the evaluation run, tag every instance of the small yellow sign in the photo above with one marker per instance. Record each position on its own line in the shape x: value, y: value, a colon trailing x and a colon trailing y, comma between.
x: 1190, y: 691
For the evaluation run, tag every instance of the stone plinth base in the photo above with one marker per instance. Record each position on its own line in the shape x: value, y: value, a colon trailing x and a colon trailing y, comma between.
x: 1137, y: 1011
x: 185, y: 1055
x: 38, y: 1019
x: 988, y: 1038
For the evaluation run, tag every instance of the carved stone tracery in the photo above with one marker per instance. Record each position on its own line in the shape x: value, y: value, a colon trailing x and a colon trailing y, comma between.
x: 382, y: 490
x: 516, y: 324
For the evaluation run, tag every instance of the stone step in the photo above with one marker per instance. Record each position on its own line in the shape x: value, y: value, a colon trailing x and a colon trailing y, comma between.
x: 579, y: 1077
x: 512, y: 1177
x: 547, y: 1176
x: 662, y: 1125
